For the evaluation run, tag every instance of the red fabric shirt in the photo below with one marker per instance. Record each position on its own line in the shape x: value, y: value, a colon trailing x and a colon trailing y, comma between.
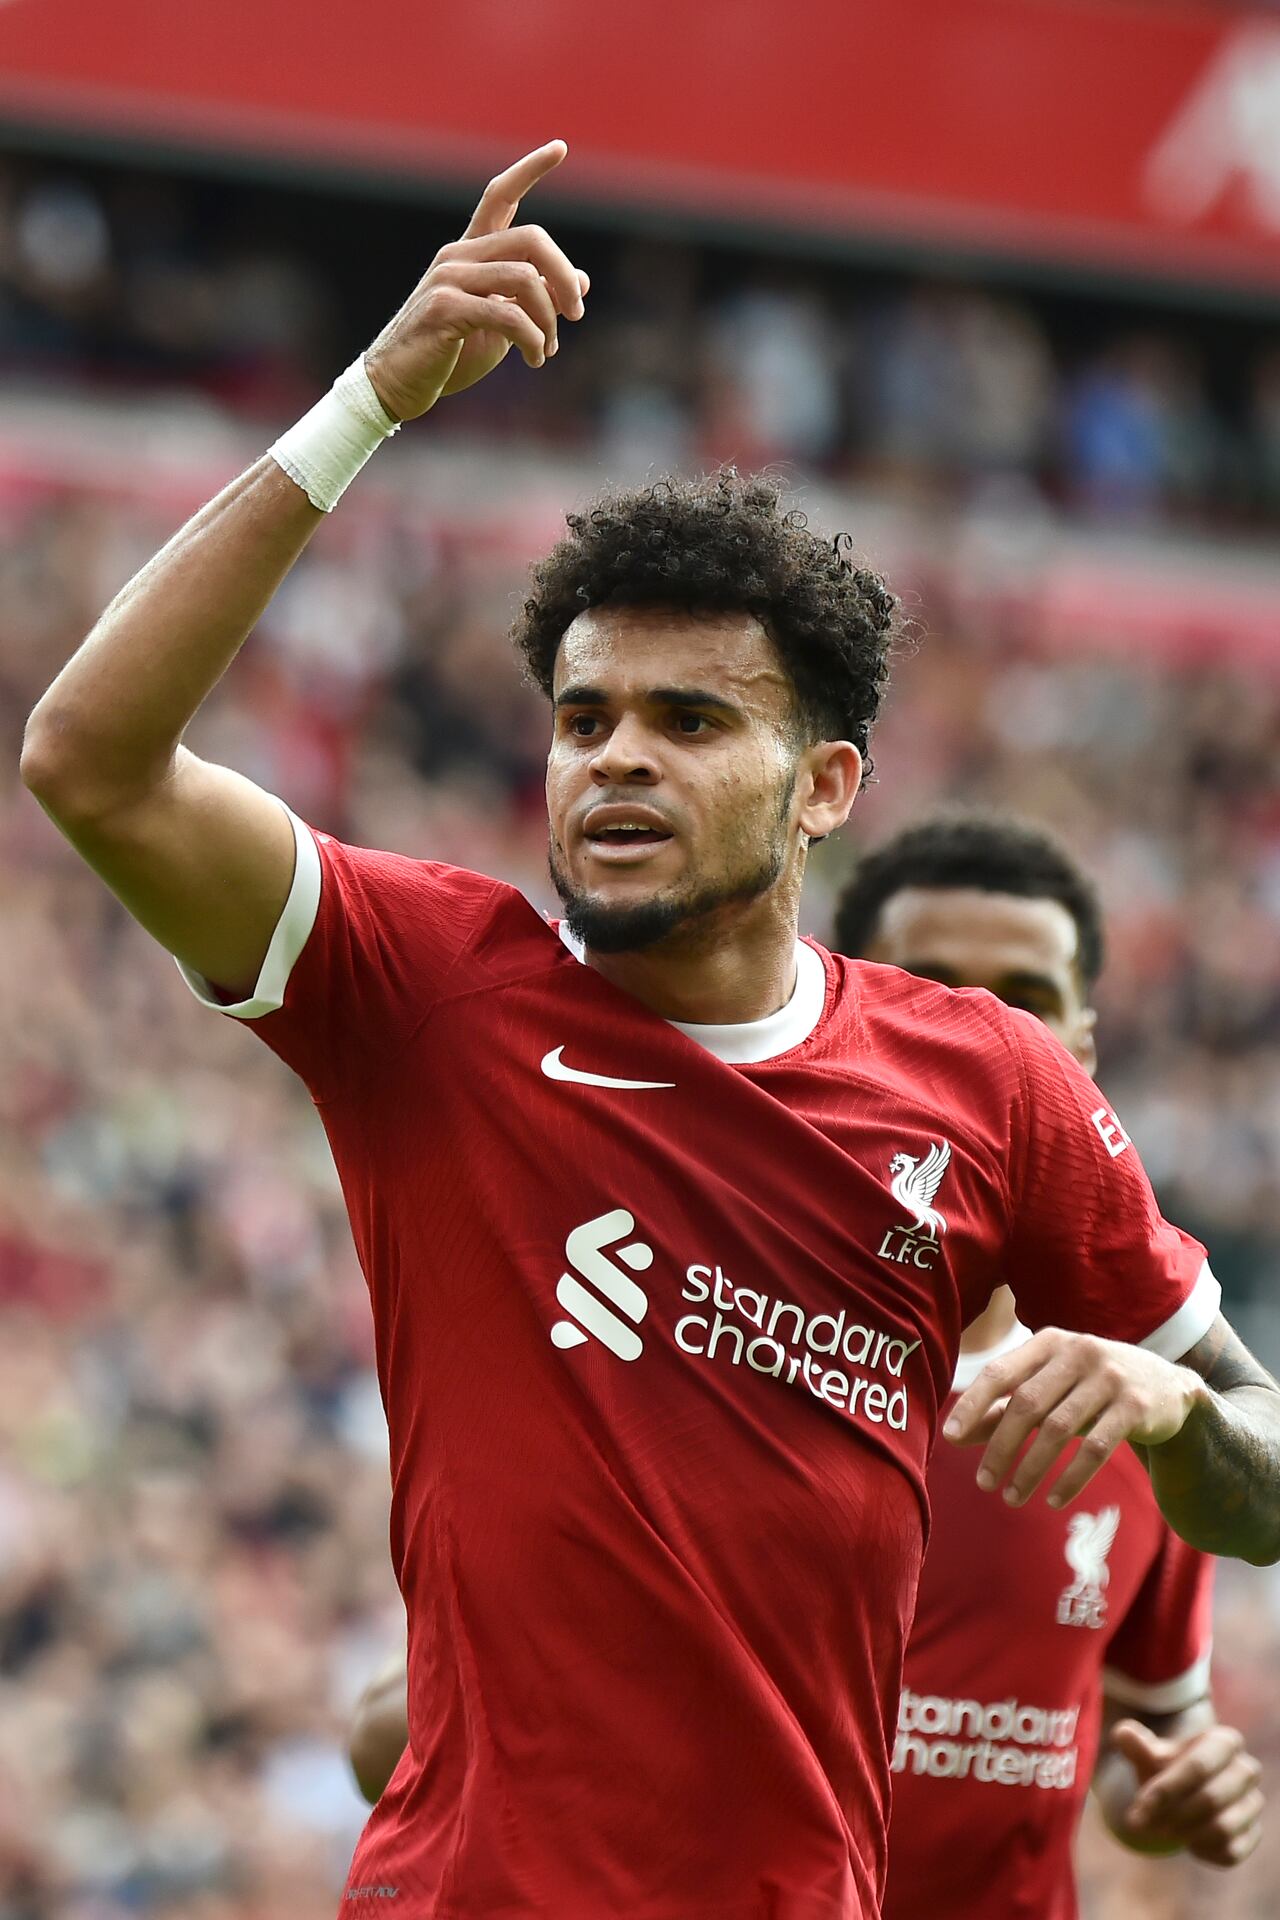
x: 662, y: 1366
x: 1019, y: 1616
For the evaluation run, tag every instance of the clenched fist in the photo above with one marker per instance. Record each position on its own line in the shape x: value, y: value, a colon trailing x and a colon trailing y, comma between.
x: 1200, y: 1793
x: 500, y: 286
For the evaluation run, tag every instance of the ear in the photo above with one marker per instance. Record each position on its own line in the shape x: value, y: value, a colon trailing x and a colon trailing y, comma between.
x: 826, y: 786
x: 1083, y: 1045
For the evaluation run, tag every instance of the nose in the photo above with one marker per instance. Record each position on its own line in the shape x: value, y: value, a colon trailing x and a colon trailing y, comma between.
x: 626, y: 757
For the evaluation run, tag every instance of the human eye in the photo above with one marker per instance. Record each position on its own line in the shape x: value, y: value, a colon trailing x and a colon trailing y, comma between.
x: 582, y: 726
x: 691, y: 726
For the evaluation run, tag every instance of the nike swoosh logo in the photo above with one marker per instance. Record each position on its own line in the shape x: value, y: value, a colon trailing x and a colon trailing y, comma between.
x: 555, y: 1069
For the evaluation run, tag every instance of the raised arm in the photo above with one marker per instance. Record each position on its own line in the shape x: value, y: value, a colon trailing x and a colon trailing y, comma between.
x: 197, y: 853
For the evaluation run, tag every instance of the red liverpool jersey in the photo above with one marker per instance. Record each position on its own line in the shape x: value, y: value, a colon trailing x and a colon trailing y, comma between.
x: 1023, y: 1619
x: 664, y: 1317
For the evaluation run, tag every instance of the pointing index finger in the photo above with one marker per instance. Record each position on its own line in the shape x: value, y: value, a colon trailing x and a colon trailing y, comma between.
x: 501, y: 199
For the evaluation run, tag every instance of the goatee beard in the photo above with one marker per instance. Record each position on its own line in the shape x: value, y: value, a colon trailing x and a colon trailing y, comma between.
x: 605, y: 928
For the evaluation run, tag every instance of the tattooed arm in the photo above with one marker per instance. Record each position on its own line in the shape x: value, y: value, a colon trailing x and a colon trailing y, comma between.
x: 1218, y: 1478
x: 1208, y: 1430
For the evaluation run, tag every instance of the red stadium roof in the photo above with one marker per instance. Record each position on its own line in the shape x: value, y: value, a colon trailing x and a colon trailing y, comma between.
x: 1144, y: 139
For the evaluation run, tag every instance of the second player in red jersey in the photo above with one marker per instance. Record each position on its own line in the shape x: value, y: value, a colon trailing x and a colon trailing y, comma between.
x: 1035, y: 1632
x: 1000, y: 1714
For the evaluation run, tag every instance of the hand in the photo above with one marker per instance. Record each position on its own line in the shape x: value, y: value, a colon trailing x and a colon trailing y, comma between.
x: 1200, y: 1793
x: 1064, y: 1385
x: 498, y: 287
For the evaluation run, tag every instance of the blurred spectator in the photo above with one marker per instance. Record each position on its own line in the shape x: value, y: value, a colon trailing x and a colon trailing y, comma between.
x: 956, y: 387
x: 1139, y: 434
x: 646, y: 376
x: 772, y: 386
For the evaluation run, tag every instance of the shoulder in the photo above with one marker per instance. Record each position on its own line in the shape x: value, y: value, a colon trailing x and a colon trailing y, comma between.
x: 400, y: 876
x: 403, y: 911
x: 400, y: 883
x: 923, y: 1025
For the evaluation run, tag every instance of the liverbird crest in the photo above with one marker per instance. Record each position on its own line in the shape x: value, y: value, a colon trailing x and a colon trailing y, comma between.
x: 915, y: 1185
x: 1090, y: 1537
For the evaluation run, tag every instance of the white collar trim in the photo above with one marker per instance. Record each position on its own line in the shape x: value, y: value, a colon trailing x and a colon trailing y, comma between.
x: 741, y: 1043
x: 970, y: 1365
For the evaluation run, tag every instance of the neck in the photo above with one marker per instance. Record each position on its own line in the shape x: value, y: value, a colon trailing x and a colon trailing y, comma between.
x: 991, y: 1325
x: 739, y: 964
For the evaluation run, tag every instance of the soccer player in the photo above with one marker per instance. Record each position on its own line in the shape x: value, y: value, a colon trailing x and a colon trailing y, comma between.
x: 670, y: 1220
x: 1041, y: 1639
x: 1026, y: 1624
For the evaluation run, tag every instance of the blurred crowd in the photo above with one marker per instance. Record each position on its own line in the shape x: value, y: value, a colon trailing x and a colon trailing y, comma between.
x: 928, y: 387
x: 194, y: 1578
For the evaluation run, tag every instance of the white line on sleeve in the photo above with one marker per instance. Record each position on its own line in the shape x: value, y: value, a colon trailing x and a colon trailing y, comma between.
x: 1163, y: 1696
x: 1192, y: 1320
x: 293, y: 929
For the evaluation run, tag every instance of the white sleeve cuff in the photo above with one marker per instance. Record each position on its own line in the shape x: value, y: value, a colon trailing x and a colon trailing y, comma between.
x: 1192, y: 1320
x: 293, y: 929
x: 1165, y: 1696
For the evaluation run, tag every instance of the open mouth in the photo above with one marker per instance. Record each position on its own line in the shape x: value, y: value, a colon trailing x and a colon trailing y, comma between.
x: 621, y: 844
x: 614, y: 829
x: 637, y: 836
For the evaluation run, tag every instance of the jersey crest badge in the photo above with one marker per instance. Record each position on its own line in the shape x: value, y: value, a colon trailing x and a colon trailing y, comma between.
x: 914, y: 1185
x: 1090, y: 1537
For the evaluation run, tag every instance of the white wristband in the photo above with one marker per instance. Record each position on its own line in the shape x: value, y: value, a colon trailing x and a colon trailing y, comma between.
x: 325, y: 451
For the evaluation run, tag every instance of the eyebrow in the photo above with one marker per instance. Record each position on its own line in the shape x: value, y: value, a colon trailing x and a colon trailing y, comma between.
x: 1040, y: 982
x: 658, y: 696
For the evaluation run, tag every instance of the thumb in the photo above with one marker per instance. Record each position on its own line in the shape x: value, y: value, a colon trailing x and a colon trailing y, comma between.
x: 1145, y: 1751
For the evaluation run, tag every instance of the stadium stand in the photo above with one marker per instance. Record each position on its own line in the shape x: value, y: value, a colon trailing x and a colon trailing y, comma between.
x: 926, y: 387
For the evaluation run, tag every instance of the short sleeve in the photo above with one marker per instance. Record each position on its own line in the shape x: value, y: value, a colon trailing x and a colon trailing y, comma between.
x: 1158, y: 1658
x: 365, y: 945
x: 1090, y: 1247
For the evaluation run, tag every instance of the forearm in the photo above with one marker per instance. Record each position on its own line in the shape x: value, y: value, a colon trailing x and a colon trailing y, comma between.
x: 110, y: 723
x: 1218, y: 1479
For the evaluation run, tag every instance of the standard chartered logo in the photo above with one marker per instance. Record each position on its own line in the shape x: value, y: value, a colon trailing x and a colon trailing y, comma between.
x: 1009, y: 1743
x: 855, y: 1369
x: 589, y: 1317
x: 784, y: 1340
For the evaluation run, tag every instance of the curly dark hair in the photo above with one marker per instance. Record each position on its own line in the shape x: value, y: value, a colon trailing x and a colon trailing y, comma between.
x: 723, y: 544
x: 994, y: 852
